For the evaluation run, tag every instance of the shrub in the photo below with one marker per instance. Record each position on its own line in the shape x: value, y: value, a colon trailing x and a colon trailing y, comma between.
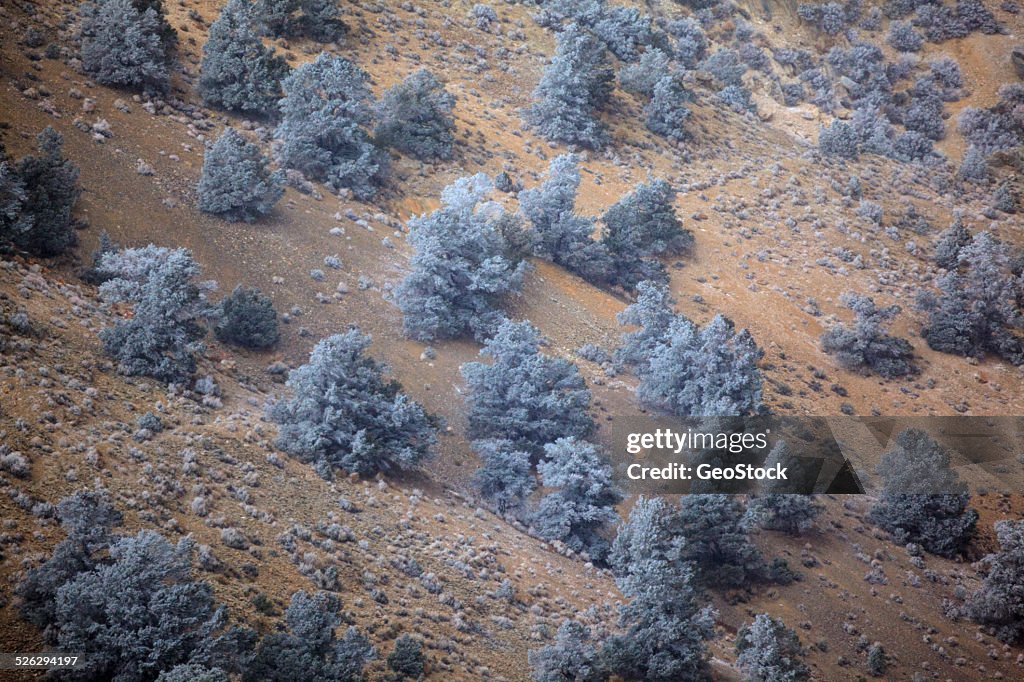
x: 768, y: 651
x: 235, y: 183
x: 736, y: 98
x: 878, y: 662
x: 666, y: 625
x: 791, y: 513
x: 703, y: 372
x: 484, y: 15
x: 325, y: 105
x: 575, y: 655
x: 715, y: 529
x: 122, y: 44
x: 406, y: 660
x: 838, y: 139
x: 974, y: 16
x: 247, y: 318
x: 643, y: 224
x: 725, y: 65
x: 41, y: 194
x: 974, y: 166
x: 346, y: 415
x: 524, y: 396
x: 640, y: 77
x: 999, y: 602
x: 461, y: 267
x: 653, y: 313
x: 189, y: 672
x: 310, y: 650
x: 904, y: 38
x: 564, y: 237
x: 866, y: 345
x: 505, y: 477
x: 582, y: 507
x: 161, y: 338
x: 238, y: 73
x: 415, y: 117
x: 1004, y: 199
x: 14, y: 221
x: 667, y: 112
x: 924, y: 115
x: 923, y: 500
x: 576, y: 83
x: 624, y: 30
x: 975, y: 311
x: 316, y: 19
x: 691, y: 43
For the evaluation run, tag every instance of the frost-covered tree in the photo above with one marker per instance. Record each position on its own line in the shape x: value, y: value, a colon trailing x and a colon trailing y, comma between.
x: 163, y: 335
x: 564, y: 237
x: 653, y: 314
x: 462, y: 265
x: 14, y: 221
x: 950, y: 243
x: 717, y: 541
x: 666, y: 625
x: 575, y: 85
x: 904, y: 38
x: 505, y: 477
x: 247, y: 318
x: 406, y: 660
x: 415, y: 117
x: 325, y: 106
x: 726, y: 66
x: 235, y: 183
x: 641, y: 225
x: 975, y: 312
x: 344, y: 414
x: 667, y: 112
x: 768, y: 651
x: 866, y: 345
x: 923, y: 499
x: 575, y: 656
x: 124, y: 44
x: 625, y: 31
x: 640, y: 77
x: 316, y: 19
x: 42, y: 191
x: 582, y: 506
x: 703, y: 372
x: 525, y: 396
x: 786, y: 505
x: 999, y: 602
x: 310, y: 650
x: 191, y: 672
x: 135, y: 612
x: 238, y: 72
x: 691, y: 43
x: 839, y: 139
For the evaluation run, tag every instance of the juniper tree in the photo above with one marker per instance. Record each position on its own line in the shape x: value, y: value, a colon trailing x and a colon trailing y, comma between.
x: 640, y: 77
x: 415, y: 117
x: 49, y: 184
x: 575, y: 85
x: 406, y: 660
x: 325, y: 106
x: 525, y: 396
x: 564, y: 237
x: 975, y: 311
x: 666, y: 626
x: 123, y: 44
x: 867, y: 346
x: 999, y: 602
x: 316, y: 19
x: 624, y: 30
x: 923, y: 499
x: 14, y: 221
x: 725, y: 65
x: 703, y: 372
x: 462, y: 265
x: 580, y: 510
x: 237, y: 72
x: 716, y: 530
x: 575, y: 656
x: 667, y: 112
x: 644, y: 224
x: 505, y: 477
x: 950, y: 243
x: 190, y: 672
x: 653, y: 313
x: 345, y: 414
x: 163, y: 335
x: 768, y: 651
x: 247, y: 318
x: 235, y: 183
x: 839, y: 139
x: 691, y: 43
x: 786, y: 505
x: 310, y: 650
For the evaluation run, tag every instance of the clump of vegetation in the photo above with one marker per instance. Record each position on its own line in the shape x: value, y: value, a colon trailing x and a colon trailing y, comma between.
x: 247, y: 318
x: 415, y: 117
x: 866, y: 345
x: 235, y: 183
x: 999, y: 603
x: 124, y: 43
x: 768, y: 651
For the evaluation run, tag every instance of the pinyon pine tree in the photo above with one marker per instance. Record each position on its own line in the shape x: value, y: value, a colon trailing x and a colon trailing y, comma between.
x: 44, y: 188
x: 867, y: 346
x: 247, y: 318
x: 346, y: 415
x: 717, y: 541
x: 325, y: 106
x: 461, y: 268
x: 652, y: 312
x: 124, y: 44
x: 525, y: 396
x: 999, y: 603
x: 415, y: 117
x: 768, y: 651
x: 236, y: 183
x: 505, y: 477
x: 238, y: 73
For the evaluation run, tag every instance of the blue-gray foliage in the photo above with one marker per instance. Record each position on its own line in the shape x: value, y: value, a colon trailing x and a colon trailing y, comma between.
x: 345, y: 414
x: 768, y: 651
x: 866, y: 345
x: 41, y: 191
x: 123, y: 45
x: 247, y: 318
x: 235, y: 183
x: 667, y: 112
x: 999, y: 602
x: 505, y: 477
x: 415, y: 117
